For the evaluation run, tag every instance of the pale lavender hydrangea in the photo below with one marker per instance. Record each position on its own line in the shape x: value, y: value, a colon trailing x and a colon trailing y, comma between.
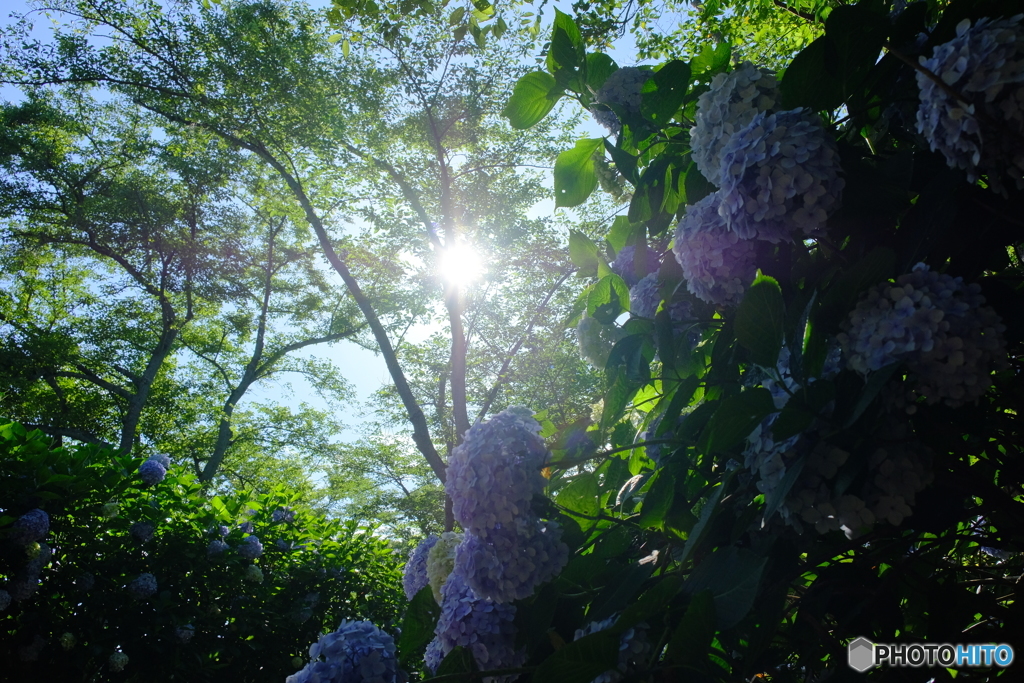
x: 250, y: 548
x: 780, y: 175
x: 163, y: 459
x: 620, y: 91
x: 142, y: 532
x: 152, y: 472
x: 356, y: 651
x: 24, y: 586
x: 934, y: 323
x: 985, y: 65
x: 414, y: 576
x: 142, y: 586
x: 482, y: 626
x: 433, y: 656
x: 245, y: 527
x: 30, y: 527
x: 727, y: 107
x: 634, y: 648
x: 644, y: 297
x: 624, y: 264
x: 717, y: 263
x: 284, y: 514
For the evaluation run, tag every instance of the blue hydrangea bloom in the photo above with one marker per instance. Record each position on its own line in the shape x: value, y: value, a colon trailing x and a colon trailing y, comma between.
x: 414, y: 576
x: 934, y: 323
x: 357, y: 651
x: 142, y: 532
x: 780, y: 175
x: 5, y: 600
x: 644, y: 297
x: 250, y: 548
x: 163, y: 459
x: 482, y: 626
x: 621, y: 90
x: 185, y: 633
x: 634, y: 648
x: 624, y: 264
x: 30, y: 527
x: 984, y: 64
x: 727, y: 107
x: 143, y: 586
x: 717, y: 262
x: 509, y: 563
x: 216, y: 547
x: 152, y: 472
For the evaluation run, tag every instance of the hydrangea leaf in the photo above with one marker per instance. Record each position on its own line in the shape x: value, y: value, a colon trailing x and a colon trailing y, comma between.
x: 583, y: 253
x: 567, y: 54
x: 580, y: 496
x: 735, y: 418
x: 418, y: 627
x: 599, y: 67
x: 663, y: 94
x: 732, y: 576
x: 580, y: 661
x: 458, y: 661
x: 711, y: 60
x: 575, y: 178
x: 691, y: 639
x: 608, y: 299
x: 760, y: 320
x: 778, y: 495
x: 534, y: 95
x: 658, y: 501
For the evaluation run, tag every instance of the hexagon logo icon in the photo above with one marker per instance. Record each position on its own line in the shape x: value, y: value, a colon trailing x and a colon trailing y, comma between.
x: 860, y: 654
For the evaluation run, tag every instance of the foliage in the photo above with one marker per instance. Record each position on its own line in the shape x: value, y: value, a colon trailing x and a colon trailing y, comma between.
x: 213, y: 616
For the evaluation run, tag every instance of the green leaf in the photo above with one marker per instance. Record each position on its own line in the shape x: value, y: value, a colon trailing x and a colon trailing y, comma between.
x: 458, y: 661
x: 711, y: 60
x: 333, y: 38
x: 418, y: 626
x: 583, y: 253
x: 581, y: 496
x: 456, y: 17
x: 567, y: 53
x: 692, y: 638
x: 732, y: 576
x: 775, y: 499
x: 695, y: 185
x: 760, y: 321
x: 575, y: 178
x: 620, y: 233
x: 709, y: 509
x: 580, y: 661
x: 608, y: 299
x: 735, y: 418
x: 658, y: 501
x: 663, y: 94
x: 599, y: 67
x: 877, y: 381
x: 532, y: 98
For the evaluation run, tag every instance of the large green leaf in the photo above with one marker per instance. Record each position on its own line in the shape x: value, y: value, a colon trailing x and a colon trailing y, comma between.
x: 760, y: 321
x: 458, y: 661
x: 658, y: 501
x: 580, y: 661
x: 580, y: 496
x: 418, y: 626
x: 732, y: 576
x: 608, y: 299
x: 583, y: 253
x: 575, y: 178
x: 735, y: 418
x: 691, y: 639
x: 567, y: 54
x: 663, y: 94
x: 533, y: 97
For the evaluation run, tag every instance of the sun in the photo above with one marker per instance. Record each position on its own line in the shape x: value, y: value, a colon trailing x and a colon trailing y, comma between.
x: 460, y: 264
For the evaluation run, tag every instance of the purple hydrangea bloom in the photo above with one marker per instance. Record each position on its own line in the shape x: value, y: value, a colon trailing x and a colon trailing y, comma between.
x: 414, y: 576
x: 624, y: 265
x: 717, y: 263
x: 250, y: 548
x: 30, y: 527
x: 285, y: 514
x: 620, y: 90
x: 163, y: 459
x: 433, y: 656
x: 356, y: 651
x: 984, y: 64
x: 780, y: 175
x: 644, y: 297
x: 726, y: 108
x: 142, y: 532
x: 935, y: 323
x: 216, y: 547
x: 634, y: 648
x: 510, y: 562
x: 143, y: 586
x: 482, y: 626
x: 245, y: 527
x: 185, y: 633
x: 152, y: 472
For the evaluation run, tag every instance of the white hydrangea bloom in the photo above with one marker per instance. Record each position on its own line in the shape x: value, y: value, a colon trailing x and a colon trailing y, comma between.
x: 717, y: 262
x: 731, y: 103
x: 622, y: 90
x: 441, y: 561
x: 118, y: 661
x: 985, y: 65
x: 596, y: 340
x: 780, y: 175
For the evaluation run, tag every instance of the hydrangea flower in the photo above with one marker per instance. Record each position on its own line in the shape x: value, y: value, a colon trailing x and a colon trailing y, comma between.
x: 356, y: 651
x: 634, y: 648
x: 482, y: 626
x: 985, y: 65
x: 253, y: 574
x: 5, y: 600
x: 152, y: 472
x: 624, y: 264
x: 142, y: 586
x: 620, y: 90
x: 250, y: 548
x: 644, y: 297
x: 142, y: 532
x: 937, y: 325
x: 727, y: 107
x: 31, y: 526
x: 23, y: 587
x: 163, y: 459
x: 245, y: 527
x: 109, y: 510
x: 215, y: 548
x: 184, y: 633
x: 118, y: 661
x: 509, y: 563
x: 283, y: 514
x: 596, y: 340
x: 780, y: 175
x: 717, y: 263
x: 441, y: 561
x: 68, y: 640
x: 414, y: 576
